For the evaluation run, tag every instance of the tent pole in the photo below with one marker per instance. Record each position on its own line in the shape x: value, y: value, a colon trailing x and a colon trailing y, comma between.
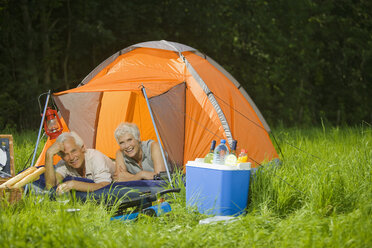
x: 157, y: 134
x: 41, y: 127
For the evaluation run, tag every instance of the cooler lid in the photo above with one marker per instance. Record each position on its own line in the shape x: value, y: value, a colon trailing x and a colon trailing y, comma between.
x: 241, y: 166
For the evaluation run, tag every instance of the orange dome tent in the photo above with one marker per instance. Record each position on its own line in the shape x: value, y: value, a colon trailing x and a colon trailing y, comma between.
x: 193, y: 100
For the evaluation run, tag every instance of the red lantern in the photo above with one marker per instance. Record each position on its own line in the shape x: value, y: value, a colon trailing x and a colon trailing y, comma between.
x: 52, y: 123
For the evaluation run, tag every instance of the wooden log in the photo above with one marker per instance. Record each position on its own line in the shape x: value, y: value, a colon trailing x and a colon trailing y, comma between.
x: 29, y: 178
x: 18, y: 177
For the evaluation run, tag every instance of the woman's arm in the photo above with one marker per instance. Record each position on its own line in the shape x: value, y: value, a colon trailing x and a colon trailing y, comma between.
x: 122, y: 174
x: 157, y: 158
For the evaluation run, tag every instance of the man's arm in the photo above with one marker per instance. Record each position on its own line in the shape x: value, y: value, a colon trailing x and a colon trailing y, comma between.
x: 80, y: 186
x: 51, y: 177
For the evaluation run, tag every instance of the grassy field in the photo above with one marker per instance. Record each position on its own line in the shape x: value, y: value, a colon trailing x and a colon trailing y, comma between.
x: 318, y: 198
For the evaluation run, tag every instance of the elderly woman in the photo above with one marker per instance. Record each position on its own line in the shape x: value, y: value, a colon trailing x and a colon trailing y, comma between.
x: 136, y: 159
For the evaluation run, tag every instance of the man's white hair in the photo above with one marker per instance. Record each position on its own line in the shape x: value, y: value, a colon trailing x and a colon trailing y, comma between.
x: 127, y: 127
x: 64, y: 136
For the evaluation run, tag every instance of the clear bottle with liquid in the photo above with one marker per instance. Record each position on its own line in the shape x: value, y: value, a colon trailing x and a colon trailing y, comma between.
x: 231, y: 159
x: 220, y: 153
x: 209, y: 157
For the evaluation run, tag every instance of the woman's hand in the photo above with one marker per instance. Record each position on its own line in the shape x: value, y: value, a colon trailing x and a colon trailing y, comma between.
x: 120, y: 177
x: 146, y: 175
x: 120, y: 174
x: 126, y: 176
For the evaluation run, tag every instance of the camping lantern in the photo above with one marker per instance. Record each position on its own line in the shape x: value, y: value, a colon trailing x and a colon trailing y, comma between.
x: 52, y: 123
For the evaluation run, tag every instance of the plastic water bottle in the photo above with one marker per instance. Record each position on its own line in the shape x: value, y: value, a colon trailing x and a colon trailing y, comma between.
x: 220, y: 153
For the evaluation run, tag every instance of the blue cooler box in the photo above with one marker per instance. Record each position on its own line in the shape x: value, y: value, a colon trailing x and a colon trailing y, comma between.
x: 217, y: 189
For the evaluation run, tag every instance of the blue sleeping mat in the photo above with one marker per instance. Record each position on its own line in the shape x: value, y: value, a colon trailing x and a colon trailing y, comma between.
x: 123, y: 191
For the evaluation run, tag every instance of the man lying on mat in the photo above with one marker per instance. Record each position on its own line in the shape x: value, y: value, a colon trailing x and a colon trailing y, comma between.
x: 136, y: 159
x: 77, y: 161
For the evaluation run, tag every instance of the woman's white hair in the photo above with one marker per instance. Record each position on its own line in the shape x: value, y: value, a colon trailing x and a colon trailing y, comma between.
x: 127, y: 127
x: 64, y: 136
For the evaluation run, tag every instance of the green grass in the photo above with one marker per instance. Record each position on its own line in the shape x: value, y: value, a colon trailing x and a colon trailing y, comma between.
x: 321, y: 198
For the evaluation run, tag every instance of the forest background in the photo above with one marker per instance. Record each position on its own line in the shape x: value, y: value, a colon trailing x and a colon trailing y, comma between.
x: 303, y: 62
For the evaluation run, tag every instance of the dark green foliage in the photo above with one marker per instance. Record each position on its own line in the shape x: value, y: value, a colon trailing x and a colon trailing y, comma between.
x: 300, y: 61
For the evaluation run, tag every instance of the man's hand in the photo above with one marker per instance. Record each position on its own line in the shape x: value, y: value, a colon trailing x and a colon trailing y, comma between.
x: 55, y: 148
x: 65, y: 187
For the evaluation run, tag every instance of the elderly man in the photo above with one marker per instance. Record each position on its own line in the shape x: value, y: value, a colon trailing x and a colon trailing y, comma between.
x: 77, y: 161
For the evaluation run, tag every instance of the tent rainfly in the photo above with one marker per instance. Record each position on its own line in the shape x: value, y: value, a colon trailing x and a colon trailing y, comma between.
x: 192, y: 98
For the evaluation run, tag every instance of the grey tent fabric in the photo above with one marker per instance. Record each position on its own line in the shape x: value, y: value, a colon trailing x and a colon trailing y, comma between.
x: 83, y: 118
x: 169, y: 109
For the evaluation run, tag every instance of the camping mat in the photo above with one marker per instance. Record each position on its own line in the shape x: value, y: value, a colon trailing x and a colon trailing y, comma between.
x: 123, y: 191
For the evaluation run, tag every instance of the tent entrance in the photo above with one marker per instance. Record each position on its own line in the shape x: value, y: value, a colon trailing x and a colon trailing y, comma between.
x: 128, y: 106
x: 99, y: 113
x: 117, y: 107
